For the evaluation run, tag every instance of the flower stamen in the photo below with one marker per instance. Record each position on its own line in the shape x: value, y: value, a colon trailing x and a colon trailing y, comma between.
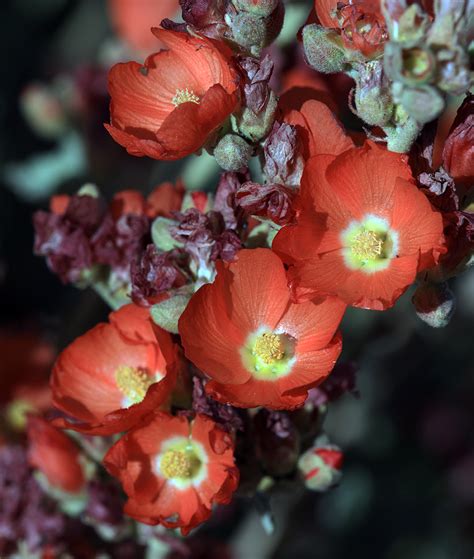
x: 269, y: 348
x: 185, y: 96
x: 179, y: 464
x: 133, y: 383
x: 367, y: 245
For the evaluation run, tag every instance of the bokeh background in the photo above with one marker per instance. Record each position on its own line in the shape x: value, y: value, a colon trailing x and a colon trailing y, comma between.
x: 408, y: 485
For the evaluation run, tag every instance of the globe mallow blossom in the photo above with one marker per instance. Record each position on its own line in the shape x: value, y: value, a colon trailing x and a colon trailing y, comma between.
x: 168, y: 107
x: 256, y: 346
x: 55, y: 455
x: 364, y: 229
x: 115, y: 374
x: 360, y: 22
x: 131, y: 20
x: 174, y: 470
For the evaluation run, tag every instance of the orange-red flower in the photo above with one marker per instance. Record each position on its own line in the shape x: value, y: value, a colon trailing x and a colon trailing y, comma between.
x: 173, y: 470
x: 24, y: 366
x: 115, y: 374
x: 162, y: 201
x: 361, y: 23
x: 133, y: 19
x: 28, y: 397
x: 258, y: 348
x: 319, y: 129
x: 168, y: 107
x: 55, y: 455
x: 364, y: 229
x: 301, y: 84
x: 165, y: 199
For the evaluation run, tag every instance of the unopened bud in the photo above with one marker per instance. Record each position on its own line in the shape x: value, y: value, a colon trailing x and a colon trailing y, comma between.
x: 434, y: 304
x: 254, y: 32
x: 374, y: 107
x: 320, y: 466
x: 258, y: 7
x: 256, y: 127
x: 232, y: 153
x: 324, y: 49
x: 167, y: 313
x: 424, y: 103
x: 403, y: 132
x: 372, y: 98
x: 248, y: 31
x: 43, y: 110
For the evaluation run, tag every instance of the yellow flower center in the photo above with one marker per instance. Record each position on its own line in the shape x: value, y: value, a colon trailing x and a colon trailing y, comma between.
x: 367, y: 245
x: 269, y: 348
x: 16, y: 413
x: 133, y: 383
x: 179, y: 464
x: 185, y: 96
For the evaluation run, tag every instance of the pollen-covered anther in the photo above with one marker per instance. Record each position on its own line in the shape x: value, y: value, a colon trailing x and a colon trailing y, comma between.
x: 185, y: 96
x: 133, y: 382
x: 367, y: 245
x: 269, y: 348
x: 179, y: 464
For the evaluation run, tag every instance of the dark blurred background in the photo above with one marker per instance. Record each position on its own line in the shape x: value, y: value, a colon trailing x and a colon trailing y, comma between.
x: 408, y: 485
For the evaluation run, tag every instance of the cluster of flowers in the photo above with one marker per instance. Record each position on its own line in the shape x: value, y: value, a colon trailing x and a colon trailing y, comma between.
x: 214, y: 367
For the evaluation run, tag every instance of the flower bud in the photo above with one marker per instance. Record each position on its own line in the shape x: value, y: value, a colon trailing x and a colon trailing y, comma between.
x: 403, y: 132
x: 253, y: 32
x: 42, y: 108
x: 373, y: 101
x: 323, y: 49
x: 258, y: 7
x: 167, y: 313
x: 232, y: 153
x: 256, y: 126
x: 320, y: 466
x: 423, y: 103
x: 434, y: 304
x: 249, y: 31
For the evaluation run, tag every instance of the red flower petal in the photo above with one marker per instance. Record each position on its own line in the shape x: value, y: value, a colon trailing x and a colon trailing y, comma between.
x: 144, y: 116
x: 335, y: 192
x: 254, y: 294
x: 55, y: 455
x: 320, y: 130
x: 84, y: 383
x: 154, y: 500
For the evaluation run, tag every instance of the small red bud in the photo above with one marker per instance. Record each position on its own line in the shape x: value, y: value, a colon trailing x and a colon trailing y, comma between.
x: 434, y: 304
